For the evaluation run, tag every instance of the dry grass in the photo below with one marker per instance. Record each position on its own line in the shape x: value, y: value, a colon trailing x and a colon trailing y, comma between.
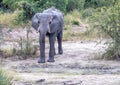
x: 73, y: 18
x: 7, y: 19
x: 67, y: 35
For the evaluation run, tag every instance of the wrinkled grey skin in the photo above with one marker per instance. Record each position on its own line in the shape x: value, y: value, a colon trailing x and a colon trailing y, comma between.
x: 50, y: 23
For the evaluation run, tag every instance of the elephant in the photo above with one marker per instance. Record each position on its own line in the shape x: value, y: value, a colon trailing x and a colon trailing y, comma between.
x: 49, y: 23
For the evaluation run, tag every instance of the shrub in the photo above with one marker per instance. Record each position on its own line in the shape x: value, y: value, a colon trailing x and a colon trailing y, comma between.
x: 108, y: 20
x: 73, y: 18
x: 75, y: 4
x: 29, y: 7
x: 87, y: 12
x: 97, y: 3
x: 75, y: 22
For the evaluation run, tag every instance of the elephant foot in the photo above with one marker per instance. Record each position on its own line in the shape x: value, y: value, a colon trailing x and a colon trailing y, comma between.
x: 60, y: 52
x: 51, y: 60
x: 41, y: 60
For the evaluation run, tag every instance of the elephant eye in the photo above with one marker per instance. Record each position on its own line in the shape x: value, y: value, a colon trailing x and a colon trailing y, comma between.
x: 50, y: 22
x: 38, y: 22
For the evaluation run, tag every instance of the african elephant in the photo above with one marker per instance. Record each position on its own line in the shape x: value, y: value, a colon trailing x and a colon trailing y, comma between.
x: 50, y: 23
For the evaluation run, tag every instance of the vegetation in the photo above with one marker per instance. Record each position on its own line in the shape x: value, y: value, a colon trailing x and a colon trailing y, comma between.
x: 28, y: 8
x: 26, y: 46
x: 103, y: 16
x: 108, y: 20
x: 73, y: 18
x: 8, y: 19
x: 5, y: 79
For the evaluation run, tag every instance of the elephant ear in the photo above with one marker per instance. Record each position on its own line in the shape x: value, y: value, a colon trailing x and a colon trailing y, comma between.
x: 52, y: 17
x: 38, y: 15
x: 35, y: 21
x: 53, y: 23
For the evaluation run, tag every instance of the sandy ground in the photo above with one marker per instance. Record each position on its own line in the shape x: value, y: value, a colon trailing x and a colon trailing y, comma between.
x: 80, y: 64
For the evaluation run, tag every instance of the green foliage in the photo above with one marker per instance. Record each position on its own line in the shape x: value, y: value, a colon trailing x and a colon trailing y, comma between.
x: 29, y: 7
x: 108, y: 20
x: 73, y: 18
x: 75, y: 22
x: 97, y: 3
x: 4, y: 78
x: 75, y: 4
x: 12, y: 5
x: 60, y: 4
x: 87, y: 12
x: 113, y: 52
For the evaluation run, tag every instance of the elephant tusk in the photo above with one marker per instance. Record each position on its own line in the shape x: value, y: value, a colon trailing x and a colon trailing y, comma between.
x: 49, y: 30
x: 37, y: 31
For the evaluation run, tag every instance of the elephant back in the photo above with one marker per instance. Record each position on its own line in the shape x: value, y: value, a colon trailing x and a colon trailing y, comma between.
x: 53, y: 11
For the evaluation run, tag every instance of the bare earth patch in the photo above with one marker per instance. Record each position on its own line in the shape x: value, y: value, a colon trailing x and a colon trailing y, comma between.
x: 79, y: 65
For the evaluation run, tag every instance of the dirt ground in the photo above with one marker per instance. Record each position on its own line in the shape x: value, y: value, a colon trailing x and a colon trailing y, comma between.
x: 80, y: 64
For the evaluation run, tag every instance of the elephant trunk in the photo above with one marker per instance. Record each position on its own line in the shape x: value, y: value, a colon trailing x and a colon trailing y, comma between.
x: 42, y: 44
x: 43, y: 28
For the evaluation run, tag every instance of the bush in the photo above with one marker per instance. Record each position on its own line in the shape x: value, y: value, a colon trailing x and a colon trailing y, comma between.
x: 75, y: 4
x: 112, y: 52
x: 29, y: 7
x: 73, y: 18
x: 108, y: 20
x: 87, y: 12
x: 97, y: 3
x: 76, y: 22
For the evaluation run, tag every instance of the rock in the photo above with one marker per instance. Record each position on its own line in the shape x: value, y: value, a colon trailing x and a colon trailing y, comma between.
x: 40, y: 81
x: 72, y: 82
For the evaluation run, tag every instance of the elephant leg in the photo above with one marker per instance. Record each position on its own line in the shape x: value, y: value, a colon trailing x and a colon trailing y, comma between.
x: 59, y: 39
x: 52, y: 48
x: 42, y: 48
x: 54, y: 52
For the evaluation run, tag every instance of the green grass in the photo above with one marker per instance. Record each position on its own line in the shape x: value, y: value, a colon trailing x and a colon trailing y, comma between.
x: 5, y: 79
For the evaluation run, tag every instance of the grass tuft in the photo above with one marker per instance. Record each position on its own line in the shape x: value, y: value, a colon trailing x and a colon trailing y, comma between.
x: 8, y: 19
x: 5, y: 79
